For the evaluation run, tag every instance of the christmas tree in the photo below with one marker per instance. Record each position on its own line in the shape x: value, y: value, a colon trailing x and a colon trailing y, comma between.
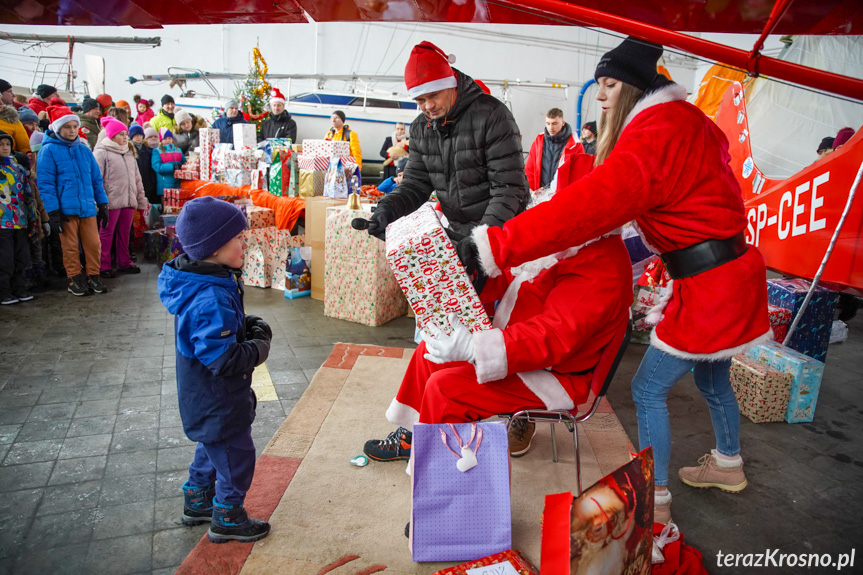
x: 253, y: 93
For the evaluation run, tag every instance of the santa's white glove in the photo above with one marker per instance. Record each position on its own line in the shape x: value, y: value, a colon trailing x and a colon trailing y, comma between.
x: 443, y: 348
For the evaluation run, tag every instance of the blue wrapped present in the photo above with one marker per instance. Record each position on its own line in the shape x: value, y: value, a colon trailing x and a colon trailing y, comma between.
x: 813, y: 332
x: 806, y: 376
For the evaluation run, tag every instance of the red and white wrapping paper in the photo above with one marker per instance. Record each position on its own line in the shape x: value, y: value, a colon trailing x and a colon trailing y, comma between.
x: 430, y: 274
x: 209, y: 137
x: 326, y: 148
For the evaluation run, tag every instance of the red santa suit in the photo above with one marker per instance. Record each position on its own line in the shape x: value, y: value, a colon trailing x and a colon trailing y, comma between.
x: 533, y: 165
x: 554, y: 317
x: 669, y: 172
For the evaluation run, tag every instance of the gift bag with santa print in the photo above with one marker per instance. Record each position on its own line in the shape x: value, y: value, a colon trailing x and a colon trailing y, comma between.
x: 336, y: 182
x: 607, y: 529
x: 460, y: 497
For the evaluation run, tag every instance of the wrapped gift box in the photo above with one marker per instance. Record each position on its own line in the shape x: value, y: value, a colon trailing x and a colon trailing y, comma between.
x: 258, y: 261
x: 245, y: 136
x: 311, y: 183
x: 208, y: 138
x: 762, y: 391
x: 805, y: 373
x: 240, y: 159
x: 259, y: 179
x: 359, y: 285
x: 151, y: 244
x: 430, y: 274
x: 326, y: 148
x: 169, y: 247
x: 280, y: 254
x: 521, y: 565
x: 260, y: 217
x: 313, y: 163
x: 238, y: 178
x: 812, y: 334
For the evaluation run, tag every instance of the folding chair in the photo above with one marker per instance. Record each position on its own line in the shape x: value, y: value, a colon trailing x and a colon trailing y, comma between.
x: 603, y: 373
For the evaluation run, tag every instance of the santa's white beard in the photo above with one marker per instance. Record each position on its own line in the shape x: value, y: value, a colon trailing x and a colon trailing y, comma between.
x: 603, y: 559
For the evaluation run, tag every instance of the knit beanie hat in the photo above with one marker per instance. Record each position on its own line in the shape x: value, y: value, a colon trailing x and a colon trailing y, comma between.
x: 231, y: 104
x: 167, y: 98
x: 121, y: 103
x: 36, y: 141
x: 592, y: 127
x: 45, y: 90
x: 632, y: 62
x: 206, y: 224
x: 60, y: 115
x: 4, y: 85
x: 165, y: 133
x: 113, y: 126
x: 181, y: 116
x: 428, y: 70
x: 105, y: 101
x: 89, y: 104
x: 826, y: 144
x: 136, y: 130
x: 842, y: 136
x: 27, y: 116
x: 150, y: 131
x: 340, y: 114
x: 5, y: 136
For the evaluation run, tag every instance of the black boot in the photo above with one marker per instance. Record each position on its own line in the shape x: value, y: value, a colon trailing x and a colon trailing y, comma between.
x: 197, y: 504
x: 232, y: 523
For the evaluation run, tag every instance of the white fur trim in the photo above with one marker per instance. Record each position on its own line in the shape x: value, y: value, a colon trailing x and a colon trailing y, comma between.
x: 664, y: 95
x: 655, y: 315
x: 433, y: 86
x: 721, y: 354
x: 483, y: 246
x: 62, y: 120
x: 402, y: 415
x: 507, y: 303
x: 546, y: 387
x: 277, y: 99
x: 490, y: 351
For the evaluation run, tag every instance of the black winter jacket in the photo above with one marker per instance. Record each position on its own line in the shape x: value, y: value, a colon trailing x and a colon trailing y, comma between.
x: 281, y: 126
x: 148, y: 175
x: 472, y: 158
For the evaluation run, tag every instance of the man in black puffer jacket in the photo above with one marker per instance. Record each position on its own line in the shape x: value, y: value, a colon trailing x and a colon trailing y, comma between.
x: 466, y: 146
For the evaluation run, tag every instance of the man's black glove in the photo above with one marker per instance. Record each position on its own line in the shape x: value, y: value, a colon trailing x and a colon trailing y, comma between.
x: 56, y: 219
x: 252, y: 321
x: 454, y: 236
x: 259, y: 333
x: 381, y: 218
x: 102, y: 216
x: 469, y: 256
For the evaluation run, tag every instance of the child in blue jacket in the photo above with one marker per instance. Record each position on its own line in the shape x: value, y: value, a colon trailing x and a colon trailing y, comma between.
x: 71, y: 186
x: 218, y: 348
x: 17, y: 220
x: 165, y: 159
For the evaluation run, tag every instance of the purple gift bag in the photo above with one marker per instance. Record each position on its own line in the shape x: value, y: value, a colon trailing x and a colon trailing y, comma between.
x: 460, y: 515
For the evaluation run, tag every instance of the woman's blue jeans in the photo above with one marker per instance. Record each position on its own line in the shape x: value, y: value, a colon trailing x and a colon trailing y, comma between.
x: 657, y: 374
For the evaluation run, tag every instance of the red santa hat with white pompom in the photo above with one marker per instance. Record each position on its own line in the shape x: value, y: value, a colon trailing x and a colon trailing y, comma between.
x: 277, y: 96
x: 429, y: 70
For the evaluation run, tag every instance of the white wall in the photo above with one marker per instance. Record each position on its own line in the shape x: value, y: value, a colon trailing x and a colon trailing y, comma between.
x: 528, y: 53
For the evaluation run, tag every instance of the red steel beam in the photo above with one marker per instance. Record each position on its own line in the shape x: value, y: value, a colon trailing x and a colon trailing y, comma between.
x: 776, y: 15
x: 796, y: 73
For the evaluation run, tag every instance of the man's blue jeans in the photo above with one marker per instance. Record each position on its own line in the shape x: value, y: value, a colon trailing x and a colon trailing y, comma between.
x: 657, y: 374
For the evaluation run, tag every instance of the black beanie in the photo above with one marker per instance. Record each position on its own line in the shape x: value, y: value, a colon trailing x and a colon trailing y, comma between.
x: 89, y: 104
x: 44, y: 90
x: 4, y: 85
x: 632, y: 62
x: 167, y: 98
x: 826, y: 144
x: 592, y: 127
x: 5, y: 136
x: 340, y: 114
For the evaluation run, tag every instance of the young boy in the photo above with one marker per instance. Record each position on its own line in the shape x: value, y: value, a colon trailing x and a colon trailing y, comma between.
x: 71, y: 187
x: 17, y: 217
x: 218, y: 348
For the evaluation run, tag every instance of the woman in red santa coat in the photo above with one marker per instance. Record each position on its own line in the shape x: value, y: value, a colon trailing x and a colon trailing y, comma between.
x: 554, y: 317
x: 662, y: 163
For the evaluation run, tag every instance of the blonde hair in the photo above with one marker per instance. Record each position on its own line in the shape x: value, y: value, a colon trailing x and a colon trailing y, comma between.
x: 121, y: 114
x: 611, y: 124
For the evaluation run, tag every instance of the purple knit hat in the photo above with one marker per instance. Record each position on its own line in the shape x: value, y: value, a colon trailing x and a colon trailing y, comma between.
x: 206, y: 224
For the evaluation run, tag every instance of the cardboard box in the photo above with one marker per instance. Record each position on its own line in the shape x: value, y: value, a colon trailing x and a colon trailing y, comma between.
x: 316, y: 228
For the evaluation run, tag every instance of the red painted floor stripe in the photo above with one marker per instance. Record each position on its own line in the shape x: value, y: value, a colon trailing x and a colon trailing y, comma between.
x: 272, y: 477
x: 345, y: 355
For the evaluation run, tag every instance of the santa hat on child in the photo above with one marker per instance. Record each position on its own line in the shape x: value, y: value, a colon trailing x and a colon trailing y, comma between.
x: 113, y: 126
x: 60, y: 115
x: 429, y: 70
x: 277, y: 96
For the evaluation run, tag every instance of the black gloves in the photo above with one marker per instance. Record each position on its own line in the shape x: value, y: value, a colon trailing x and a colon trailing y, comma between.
x: 102, y: 216
x: 381, y: 218
x: 56, y: 219
x: 253, y: 321
x: 469, y: 256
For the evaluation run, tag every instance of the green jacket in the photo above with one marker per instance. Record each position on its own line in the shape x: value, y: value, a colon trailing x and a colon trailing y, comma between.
x: 91, y: 127
x: 160, y: 120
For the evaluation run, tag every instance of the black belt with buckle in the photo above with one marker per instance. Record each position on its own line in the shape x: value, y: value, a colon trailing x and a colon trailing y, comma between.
x: 703, y: 256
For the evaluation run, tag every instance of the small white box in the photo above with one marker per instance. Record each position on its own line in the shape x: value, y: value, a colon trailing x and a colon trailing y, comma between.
x: 245, y: 136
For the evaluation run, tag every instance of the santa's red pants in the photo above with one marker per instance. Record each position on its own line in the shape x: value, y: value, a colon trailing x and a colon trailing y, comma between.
x: 449, y: 393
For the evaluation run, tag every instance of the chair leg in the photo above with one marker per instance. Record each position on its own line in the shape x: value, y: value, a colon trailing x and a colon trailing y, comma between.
x: 577, y: 458
x: 553, y: 444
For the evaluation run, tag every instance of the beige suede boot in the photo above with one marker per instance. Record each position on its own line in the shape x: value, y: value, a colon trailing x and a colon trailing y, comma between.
x: 713, y: 473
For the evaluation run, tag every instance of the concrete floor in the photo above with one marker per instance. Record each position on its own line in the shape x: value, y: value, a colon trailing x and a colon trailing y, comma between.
x: 92, y: 453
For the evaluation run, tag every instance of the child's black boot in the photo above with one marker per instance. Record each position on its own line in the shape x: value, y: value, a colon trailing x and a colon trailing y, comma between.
x: 232, y: 523
x: 197, y: 504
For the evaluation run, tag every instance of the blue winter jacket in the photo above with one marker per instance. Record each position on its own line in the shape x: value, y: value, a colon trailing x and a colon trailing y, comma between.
x: 68, y: 177
x: 214, y: 360
x: 225, y: 125
x: 164, y: 164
